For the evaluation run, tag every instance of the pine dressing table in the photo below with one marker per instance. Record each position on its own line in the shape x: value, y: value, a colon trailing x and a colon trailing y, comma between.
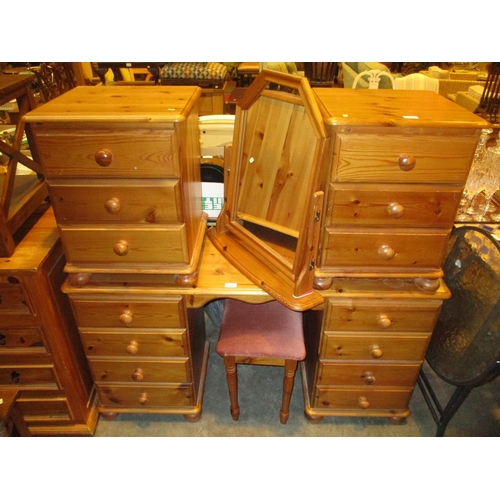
x: 391, y: 179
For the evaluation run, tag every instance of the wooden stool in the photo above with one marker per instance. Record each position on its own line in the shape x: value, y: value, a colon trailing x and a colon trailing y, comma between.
x: 10, y: 414
x: 247, y: 71
x: 261, y: 334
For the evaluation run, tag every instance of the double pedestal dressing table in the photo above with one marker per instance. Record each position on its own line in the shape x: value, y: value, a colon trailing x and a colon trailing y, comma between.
x: 122, y: 165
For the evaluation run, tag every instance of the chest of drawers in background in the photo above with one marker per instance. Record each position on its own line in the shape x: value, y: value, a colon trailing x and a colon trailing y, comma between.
x: 122, y: 164
x: 41, y: 353
x: 399, y: 162
x: 123, y: 168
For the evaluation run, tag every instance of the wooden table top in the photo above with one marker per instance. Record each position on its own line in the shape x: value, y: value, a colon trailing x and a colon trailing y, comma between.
x: 115, y: 103
x: 394, y: 108
x: 34, y: 248
x: 10, y: 85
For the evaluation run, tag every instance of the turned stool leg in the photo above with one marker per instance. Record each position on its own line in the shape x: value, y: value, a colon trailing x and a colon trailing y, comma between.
x: 290, y: 369
x: 232, y: 384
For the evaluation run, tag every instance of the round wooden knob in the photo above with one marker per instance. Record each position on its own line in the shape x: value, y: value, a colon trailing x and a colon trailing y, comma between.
x: 103, y: 157
x: 386, y: 252
x: 121, y: 248
x: 143, y: 398
x: 113, y: 206
x: 384, y: 321
x: 79, y: 279
x: 407, y: 162
x: 369, y: 378
x: 126, y: 317
x: 395, y: 210
x: 138, y: 374
x: 133, y: 347
x: 376, y: 352
x: 363, y: 403
x: 428, y: 285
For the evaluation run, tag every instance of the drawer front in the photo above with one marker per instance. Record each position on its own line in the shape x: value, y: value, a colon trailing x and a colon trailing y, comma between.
x: 28, y: 375
x: 378, y: 315
x: 43, y: 405
x: 101, y: 152
x: 13, y: 299
x: 388, y: 249
x: 140, y: 371
x: 130, y: 202
x: 22, y: 338
x: 143, y: 396
x: 132, y: 312
x: 371, y: 374
x: 410, y: 347
x: 8, y: 321
x: 390, y: 205
x: 403, y: 159
x: 364, y: 399
x: 136, y: 343
x: 125, y: 245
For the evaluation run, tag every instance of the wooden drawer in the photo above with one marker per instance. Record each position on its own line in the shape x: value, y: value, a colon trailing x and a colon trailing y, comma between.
x: 125, y: 245
x: 144, y: 396
x: 393, y: 205
x: 43, y: 405
x: 22, y: 373
x: 21, y: 338
x: 13, y: 299
x: 377, y: 158
x: 379, y: 315
x: 387, y: 249
x: 135, y: 202
x: 374, y: 374
x: 350, y: 347
x: 132, y: 152
x: 17, y: 321
x: 363, y: 399
x: 133, y: 312
x: 136, y: 343
x: 142, y: 371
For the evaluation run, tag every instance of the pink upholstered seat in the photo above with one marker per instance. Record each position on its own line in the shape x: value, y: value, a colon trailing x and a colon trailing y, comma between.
x: 265, y: 334
x: 268, y: 330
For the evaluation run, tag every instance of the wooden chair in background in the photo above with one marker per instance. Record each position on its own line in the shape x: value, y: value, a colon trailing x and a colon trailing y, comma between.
x: 136, y: 75
x: 321, y: 74
x: 54, y: 79
x: 490, y: 100
x: 20, y: 195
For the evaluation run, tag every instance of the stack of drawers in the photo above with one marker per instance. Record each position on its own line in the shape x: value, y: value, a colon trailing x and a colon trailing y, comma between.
x: 394, y: 187
x: 399, y: 161
x: 372, y: 340
x: 123, y: 168
x: 126, y: 192
x: 145, y: 349
x: 40, y: 351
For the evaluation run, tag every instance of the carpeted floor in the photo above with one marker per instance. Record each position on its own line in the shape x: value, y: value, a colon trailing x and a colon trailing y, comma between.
x: 260, y: 400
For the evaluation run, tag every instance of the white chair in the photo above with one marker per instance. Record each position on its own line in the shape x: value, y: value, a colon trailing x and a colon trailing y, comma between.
x: 417, y: 81
x: 374, y: 76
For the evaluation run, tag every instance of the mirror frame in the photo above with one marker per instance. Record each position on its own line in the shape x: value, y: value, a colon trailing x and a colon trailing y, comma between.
x: 289, y: 280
